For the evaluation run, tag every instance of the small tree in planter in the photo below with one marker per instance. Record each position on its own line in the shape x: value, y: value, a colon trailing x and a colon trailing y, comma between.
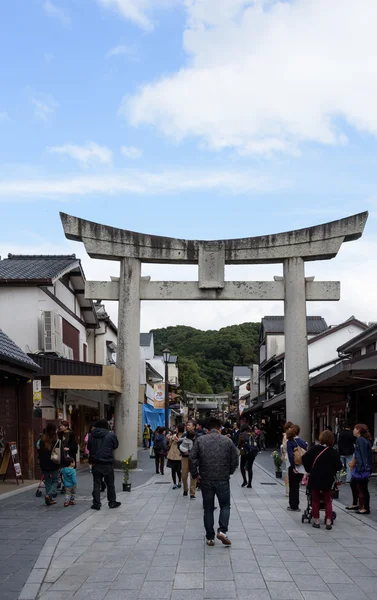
x: 127, y: 465
x: 278, y: 462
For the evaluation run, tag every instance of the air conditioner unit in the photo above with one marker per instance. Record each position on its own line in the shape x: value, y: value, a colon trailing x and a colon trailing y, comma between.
x: 52, y: 338
x: 67, y: 352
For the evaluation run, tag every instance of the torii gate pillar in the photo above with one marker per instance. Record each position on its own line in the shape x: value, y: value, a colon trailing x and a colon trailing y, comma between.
x: 292, y: 249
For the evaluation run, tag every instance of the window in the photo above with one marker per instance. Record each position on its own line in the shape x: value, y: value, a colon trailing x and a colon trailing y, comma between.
x: 85, y: 352
x: 356, y: 353
x: 71, y: 338
x: 370, y: 348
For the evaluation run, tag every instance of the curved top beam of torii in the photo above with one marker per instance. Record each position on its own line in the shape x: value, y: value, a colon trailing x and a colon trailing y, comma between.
x: 312, y: 243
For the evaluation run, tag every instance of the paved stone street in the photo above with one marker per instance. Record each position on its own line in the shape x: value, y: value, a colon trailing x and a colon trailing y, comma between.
x: 153, y: 546
x: 26, y: 523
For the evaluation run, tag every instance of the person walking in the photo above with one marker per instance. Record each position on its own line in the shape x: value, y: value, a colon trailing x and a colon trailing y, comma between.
x: 101, y: 446
x: 150, y: 435
x: 296, y: 447
x: 146, y: 437
x: 262, y: 438
x: 361, y: 466
x: 174, y: 457
x: 48, y: 443
x: 68, y: 474
x: 248, y: 452
x: 322, y: 462
x: 284, y: 455
x: 213, y: 459
x: 186, y: 445
x: 67, y: 438
x: 160, y: 449
x: 236, y: 434
x: 346, y: 447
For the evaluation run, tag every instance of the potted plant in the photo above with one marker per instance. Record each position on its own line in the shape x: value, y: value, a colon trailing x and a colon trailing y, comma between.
x: 278, y: 462
x: 126, y: 464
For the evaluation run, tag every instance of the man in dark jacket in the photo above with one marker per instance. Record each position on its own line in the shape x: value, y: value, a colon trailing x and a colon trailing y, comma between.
x: 101, y: 446
x: 346, y: 448
x: 214, y: 458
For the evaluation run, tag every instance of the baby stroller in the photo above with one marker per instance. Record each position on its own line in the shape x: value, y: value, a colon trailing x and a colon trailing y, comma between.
x: 308, y: 512
x: 60, y: 488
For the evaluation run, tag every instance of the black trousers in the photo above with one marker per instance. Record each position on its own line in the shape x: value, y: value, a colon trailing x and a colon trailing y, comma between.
x: 103, y: 472
x: 360, y: 493
x: 210, y: 489
x: 247, y: 461
x: 160, y: 462
x: 294, y: 488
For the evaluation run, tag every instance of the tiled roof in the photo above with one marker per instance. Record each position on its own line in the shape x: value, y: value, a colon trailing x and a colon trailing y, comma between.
x: 274, y: 324
x: 28, y: 267
x: 10, y: 352
x: 145, y: 339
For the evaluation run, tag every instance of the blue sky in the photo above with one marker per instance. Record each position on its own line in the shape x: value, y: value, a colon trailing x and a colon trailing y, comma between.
x: 191, y: 119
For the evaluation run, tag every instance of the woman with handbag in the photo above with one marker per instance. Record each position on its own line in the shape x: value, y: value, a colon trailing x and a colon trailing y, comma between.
x: 50, y: 456
x: 160, y: 449
x: 322, y: 462
x: 67, y: 437
x: 361, y: 466
x: 296, y: 448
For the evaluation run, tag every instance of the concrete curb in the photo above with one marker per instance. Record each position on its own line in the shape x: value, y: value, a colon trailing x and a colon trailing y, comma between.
x: 32, y: 588
x: 33, y: 486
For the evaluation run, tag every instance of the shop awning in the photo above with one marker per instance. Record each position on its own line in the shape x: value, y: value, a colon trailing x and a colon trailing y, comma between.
x: 349, y: 374
x: 109, y: 381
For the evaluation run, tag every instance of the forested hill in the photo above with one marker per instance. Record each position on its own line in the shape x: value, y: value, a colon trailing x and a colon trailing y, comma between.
x: 206, y: 358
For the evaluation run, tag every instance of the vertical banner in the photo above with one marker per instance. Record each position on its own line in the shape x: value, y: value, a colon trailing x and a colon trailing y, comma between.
x: 159, y: 395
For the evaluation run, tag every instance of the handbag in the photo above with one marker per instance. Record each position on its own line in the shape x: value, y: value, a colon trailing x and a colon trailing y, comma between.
x: 56, y: 453
x: 151, y: 452
x: 298, y: 453
x: 360, y: 475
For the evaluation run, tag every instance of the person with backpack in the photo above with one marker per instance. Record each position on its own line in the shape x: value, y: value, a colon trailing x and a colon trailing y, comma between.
x: 101, y: 446
x: 296, y: 448
x: 248, y: 452
x: 160, y: 449
x: 322, y: 462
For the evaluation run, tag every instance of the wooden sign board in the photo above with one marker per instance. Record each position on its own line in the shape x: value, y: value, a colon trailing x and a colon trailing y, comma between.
x: 11, y: 456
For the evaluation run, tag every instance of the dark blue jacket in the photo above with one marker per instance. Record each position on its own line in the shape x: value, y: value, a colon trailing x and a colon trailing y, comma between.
x: 291, y: 445
x: 363, y: 455
x: 101, y: 446
x: 160, y: 444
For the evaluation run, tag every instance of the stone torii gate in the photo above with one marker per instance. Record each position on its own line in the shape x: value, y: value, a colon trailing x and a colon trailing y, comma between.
x: 132, y: 249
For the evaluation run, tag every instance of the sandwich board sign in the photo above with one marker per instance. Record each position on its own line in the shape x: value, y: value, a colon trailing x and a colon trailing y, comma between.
x: 11, y: 457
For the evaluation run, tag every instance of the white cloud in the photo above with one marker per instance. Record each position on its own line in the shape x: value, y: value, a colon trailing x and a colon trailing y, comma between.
x: 88, y: 154
x: 4, y: 116
x: 122, y: 49
x: 131, y: 152
x: 138, y: 12
x: 268, y: 78
x: 56, y: 12
x: 44, y: 107
x: 138, y: 182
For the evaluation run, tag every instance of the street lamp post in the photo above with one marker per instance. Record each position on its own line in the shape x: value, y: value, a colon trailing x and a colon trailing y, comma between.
x: 166, y: 355
x: 238, y: 383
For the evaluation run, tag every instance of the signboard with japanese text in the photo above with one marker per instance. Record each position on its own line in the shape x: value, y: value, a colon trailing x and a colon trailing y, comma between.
x: 159, y: 395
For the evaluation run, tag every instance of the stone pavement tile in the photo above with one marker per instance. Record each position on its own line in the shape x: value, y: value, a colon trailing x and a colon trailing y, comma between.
x: 343, y: 591
x: 265, y: 550
x: 165, y: 561
x: 135, y: 567
x: 218, y: 558
x: 249, y: 581
x: 29, y: 591
x: 190, y: 566
x: 49, y: 595
x: 188, y: 581
x: 369, y: 563
x: 103, y: 575
x: 268, y: 561
x: 187, y: 595
x: 310, y: 583
x: 315, y: 596
x: 121, y: 595
x: 332, y: 576
x: 275, y: 574
x: 66, y: 582
x: 37, y: 576
x: 360, y: 552
x: 220, y: 589
x: 340, y: 555
x: 283, y: 590
x: 128, y: 582
x: 292, y: 556
x: 94, y: 594
x: 254, y: 595
x: 53, y: 575
x: 156, y: 589
x: 322, y: 562
x: 159, y: 574
x: 367, y: 584
x: 219, y: 573
x: 356, y: 570
x: 301, y: 568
